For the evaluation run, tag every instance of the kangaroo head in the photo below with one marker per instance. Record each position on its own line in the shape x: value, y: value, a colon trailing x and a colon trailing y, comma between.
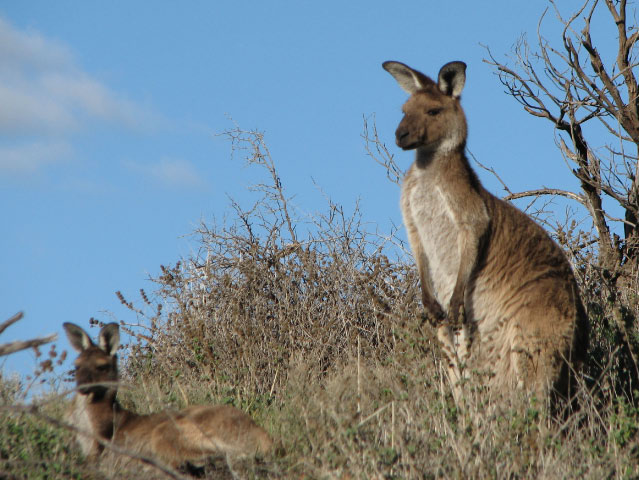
x: 95, y: 363
x: 433, y: 118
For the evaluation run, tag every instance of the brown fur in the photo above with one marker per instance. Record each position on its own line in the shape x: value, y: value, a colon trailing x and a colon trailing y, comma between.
x: 174, y: 438
x: 500, y: 291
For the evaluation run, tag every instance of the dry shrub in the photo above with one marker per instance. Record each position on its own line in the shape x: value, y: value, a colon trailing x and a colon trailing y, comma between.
x: 313, y: 326
x: 368, y: 419
x: 611, y: 299
x: 271, y: 286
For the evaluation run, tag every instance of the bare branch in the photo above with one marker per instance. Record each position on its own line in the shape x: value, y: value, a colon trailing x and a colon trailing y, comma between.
x: 572, y: 86
x: 11, y: 321
x: 520, y: 89
x: 259, y: 154
x: 12, y: 347
x: 491, y: 170
x: 380, y: 153
x: 18, y: 345
x: 548, y: 191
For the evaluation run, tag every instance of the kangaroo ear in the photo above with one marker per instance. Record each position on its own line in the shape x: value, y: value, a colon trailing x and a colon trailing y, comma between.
x: 410, y: 80
x: 109, y: 338
x: 77, y: 337
x: 451, y: 79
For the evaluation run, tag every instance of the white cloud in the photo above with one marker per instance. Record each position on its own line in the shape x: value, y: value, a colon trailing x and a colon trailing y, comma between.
x: 30, y: 158
x: 175, y: 173
x: 23, y: 112
x: 30, y: 50
x: 43, y: 91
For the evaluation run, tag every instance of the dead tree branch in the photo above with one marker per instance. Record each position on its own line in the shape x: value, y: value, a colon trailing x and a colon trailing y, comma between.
x: 571, y: 85
x: 16, y: 346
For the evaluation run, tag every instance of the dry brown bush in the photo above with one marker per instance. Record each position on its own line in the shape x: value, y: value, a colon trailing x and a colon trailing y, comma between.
x: 311, y: 327
x: 259, y: 293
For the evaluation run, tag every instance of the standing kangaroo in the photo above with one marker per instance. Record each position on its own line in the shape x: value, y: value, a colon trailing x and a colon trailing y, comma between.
x: 190, y: 435
x: 501, y: 292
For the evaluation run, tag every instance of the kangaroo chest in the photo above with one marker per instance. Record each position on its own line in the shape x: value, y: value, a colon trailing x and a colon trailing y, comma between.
x: 429, y: 213
x: 79, y: 416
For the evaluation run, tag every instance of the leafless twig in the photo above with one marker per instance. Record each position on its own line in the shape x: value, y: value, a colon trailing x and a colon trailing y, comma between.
x: 377, y: 150
x: 16, y: 346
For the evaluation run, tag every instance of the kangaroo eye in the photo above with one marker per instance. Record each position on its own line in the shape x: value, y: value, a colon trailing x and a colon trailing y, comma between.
x: 434, y: 111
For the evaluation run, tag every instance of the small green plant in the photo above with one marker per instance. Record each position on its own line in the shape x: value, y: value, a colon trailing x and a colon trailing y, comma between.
x: 32, y: 447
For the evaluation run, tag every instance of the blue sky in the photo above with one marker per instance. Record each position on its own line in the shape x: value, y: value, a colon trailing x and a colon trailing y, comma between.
x: 108, y: 148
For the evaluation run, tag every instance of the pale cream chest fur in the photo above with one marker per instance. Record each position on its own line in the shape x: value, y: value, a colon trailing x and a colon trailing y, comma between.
x: 425, y: 205
x: 78, y: 416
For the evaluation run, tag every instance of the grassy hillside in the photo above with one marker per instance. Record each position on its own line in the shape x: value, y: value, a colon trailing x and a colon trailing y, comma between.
x: 313, y: 326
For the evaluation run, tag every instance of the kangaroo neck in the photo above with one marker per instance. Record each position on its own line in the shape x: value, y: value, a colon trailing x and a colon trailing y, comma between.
x: 107, y: 414
x: 450, y: 167
x: 440, y: 157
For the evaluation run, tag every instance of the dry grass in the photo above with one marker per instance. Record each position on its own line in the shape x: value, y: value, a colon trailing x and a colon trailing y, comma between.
x: 313, y: 326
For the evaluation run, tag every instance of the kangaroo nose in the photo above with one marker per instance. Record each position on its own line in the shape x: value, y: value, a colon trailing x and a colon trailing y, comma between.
x: 400, y: 134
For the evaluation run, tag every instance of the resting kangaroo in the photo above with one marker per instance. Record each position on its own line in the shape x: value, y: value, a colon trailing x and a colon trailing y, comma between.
x: 499, y: 289
x: 174, y: 438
